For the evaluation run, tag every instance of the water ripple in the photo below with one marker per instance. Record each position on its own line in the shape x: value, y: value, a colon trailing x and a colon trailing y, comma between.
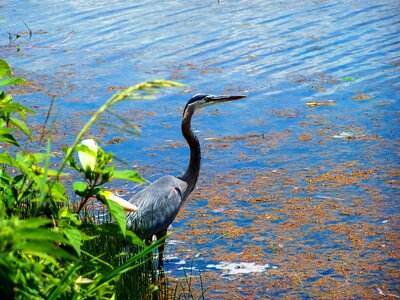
x: 282, y: 53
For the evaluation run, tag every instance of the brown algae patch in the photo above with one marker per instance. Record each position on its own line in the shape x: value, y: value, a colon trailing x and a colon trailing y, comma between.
x: 320, y: 246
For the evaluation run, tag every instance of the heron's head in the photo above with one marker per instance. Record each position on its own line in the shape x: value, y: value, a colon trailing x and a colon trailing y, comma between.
x: 200, y: 100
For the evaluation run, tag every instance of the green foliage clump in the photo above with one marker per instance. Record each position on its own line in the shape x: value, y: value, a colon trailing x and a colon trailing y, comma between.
x: 45, y: 242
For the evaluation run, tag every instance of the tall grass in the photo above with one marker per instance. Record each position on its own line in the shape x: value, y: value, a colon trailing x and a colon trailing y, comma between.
x: 142, y: 282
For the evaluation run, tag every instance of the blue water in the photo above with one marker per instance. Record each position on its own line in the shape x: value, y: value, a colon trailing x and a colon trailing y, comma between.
x: 282, y: 54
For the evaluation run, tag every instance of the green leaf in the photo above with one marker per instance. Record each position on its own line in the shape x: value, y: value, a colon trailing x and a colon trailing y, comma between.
x: 23, y: 108
x: 39, y: 234
x: 20, y: 125
x: 12, y: 81
x: 8, y: 138
x: 63, y: 212
x: 74, y: 237
x: 5, y: 98
x: 86, y: 237
x: 107, y: 173
x: 134, y: 239
x: 128, y: 175
x: 80, y: 188
x: 6, y: 130
x: 11, y: 107
x: 4, y: 69
x: 58, y: 192
x: 71, y: 162
x: 8, y: 160
x: 118, y: 213
x: 64, y: 282
x: 34, y: 223
x: 44, y: 249
x: 66, y: 217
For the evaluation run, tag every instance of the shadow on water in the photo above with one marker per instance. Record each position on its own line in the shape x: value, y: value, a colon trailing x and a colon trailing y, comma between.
x: 298, y: 191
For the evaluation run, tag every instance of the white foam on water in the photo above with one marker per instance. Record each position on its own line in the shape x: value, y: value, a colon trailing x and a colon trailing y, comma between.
x: 231, y: 268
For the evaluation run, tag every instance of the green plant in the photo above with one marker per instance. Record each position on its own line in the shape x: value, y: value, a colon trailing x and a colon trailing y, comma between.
x: 8, y: 108
x: 45, y: 240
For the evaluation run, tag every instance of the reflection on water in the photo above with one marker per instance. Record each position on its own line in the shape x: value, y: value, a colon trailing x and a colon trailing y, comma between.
x: 301, y: 176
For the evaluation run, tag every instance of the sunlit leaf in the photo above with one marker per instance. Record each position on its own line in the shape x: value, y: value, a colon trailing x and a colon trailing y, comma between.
x: 6, y: 130
x: 63, y: 212
x: 134, y: 239
x: 5, y: 159
x: 58, y: 192
x: 118, y: 213
x: 128, y: 175
x: 66, y: 217
x: 107, y: 173
x: 11, y: 107
x: 38, y: 234
x: 80, y: 188
x: 34, y: 223
x: 20, y: 125
x: 74, y: 237
x: 12, y: 81
x: 43, y: 248
x: 4, y: 69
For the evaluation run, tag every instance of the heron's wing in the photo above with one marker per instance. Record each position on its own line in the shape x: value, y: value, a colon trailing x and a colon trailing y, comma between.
x: 157, y: 206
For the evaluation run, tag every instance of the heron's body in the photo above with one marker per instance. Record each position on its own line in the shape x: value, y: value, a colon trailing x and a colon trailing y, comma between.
x: 159, y: 203
x: 157, y: 206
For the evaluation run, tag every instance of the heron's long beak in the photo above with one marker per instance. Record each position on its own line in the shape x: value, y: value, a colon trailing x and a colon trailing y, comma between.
x: 225, y: 98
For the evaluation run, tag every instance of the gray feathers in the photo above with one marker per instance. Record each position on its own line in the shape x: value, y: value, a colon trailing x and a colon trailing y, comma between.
x: 157, y: 205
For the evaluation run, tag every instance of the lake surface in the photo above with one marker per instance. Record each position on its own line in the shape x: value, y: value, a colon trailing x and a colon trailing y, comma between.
x: 299, y: 191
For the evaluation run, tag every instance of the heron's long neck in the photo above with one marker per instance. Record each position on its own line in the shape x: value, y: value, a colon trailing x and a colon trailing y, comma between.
x: 193, y: 169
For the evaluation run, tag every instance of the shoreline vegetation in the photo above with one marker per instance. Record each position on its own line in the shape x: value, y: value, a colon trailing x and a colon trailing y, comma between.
x: 52, y: 247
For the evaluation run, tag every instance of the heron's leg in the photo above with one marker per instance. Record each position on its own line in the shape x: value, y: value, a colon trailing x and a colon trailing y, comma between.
x: 160, y: 235
x: 150, y: 259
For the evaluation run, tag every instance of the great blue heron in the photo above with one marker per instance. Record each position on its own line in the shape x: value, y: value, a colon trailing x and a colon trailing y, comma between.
x: 159, y: 203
